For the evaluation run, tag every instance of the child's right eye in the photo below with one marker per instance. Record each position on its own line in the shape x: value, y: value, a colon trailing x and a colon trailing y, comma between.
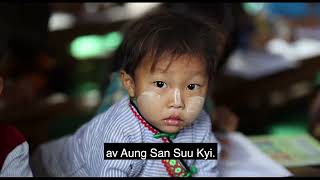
x: 160, y: 84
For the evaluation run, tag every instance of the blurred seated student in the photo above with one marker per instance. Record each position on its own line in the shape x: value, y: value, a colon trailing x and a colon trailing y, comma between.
x: 288, y: 18
x: 314, y: 125
x: 26, y: 82
x: 14, y: 149
x: 32, y: 72
x: 279, y: 20
x: 314, y: 112
x: 300, y: 15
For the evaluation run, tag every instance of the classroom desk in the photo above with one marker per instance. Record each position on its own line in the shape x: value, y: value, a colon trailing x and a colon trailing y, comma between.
x: 241, y: 156
x: 307, y: 171
x: 252, y: 99
x: 255, y: 101
x: 35, y: 120
x: 228, y: 87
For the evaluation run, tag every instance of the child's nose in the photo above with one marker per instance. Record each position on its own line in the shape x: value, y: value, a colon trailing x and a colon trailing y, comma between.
x: 176, y: 101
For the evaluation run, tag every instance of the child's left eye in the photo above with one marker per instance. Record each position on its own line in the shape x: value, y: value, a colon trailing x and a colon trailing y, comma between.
x: 193, y: 86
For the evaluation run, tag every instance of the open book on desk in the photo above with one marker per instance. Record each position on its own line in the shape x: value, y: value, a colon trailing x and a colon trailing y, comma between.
x: 290, y: 150
x: 244, y: 159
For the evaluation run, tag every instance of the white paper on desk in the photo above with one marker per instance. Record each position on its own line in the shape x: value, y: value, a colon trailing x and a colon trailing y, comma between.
x: 255, y: 64
x: 246, y: 160
x: 299, y: 50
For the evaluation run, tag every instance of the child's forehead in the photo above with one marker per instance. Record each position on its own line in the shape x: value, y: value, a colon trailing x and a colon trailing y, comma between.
x: 166, y: 61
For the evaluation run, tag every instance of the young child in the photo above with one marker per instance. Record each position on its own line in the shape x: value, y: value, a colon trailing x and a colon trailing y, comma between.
x: 168, y: 63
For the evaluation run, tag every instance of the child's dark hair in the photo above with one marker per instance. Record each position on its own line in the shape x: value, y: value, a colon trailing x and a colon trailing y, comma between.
x: 165, y: 32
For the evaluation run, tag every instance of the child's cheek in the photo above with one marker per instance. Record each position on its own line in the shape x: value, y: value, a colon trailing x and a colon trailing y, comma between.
x: 194, y: 106
x: 148, y: 103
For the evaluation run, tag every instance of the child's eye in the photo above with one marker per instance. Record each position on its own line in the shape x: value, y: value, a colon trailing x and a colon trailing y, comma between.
x: 160, y: 84
x: 193, y: 86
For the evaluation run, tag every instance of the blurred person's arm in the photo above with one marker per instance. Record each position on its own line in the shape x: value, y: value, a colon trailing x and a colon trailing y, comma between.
x: 314, y: 113
x: 17, y: 162
x: 14, y: 153
x: 224, y: 120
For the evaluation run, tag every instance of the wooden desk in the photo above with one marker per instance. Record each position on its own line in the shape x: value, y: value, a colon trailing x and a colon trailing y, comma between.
x: 256, y: 100
x: 308, y: 171
x: 35, y: 120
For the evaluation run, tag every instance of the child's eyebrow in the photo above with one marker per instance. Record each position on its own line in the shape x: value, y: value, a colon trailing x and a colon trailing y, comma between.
x: 199, y: 76
x: 195, y: 73
x: 160, y: 70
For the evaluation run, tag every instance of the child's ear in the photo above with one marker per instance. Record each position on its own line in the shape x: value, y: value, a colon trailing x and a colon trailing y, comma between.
x: 1, y: 84
x: 128, y: 83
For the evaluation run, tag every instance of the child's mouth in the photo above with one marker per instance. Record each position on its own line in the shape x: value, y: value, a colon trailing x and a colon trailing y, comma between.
x: 173, y: 121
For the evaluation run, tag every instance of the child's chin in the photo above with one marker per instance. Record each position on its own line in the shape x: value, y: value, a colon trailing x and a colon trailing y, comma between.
x: 171, y: 129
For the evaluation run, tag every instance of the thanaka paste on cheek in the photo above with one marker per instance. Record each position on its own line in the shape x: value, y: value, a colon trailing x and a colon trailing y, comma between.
x: 194, y: 105
x: 149, y: 94
x: 147, y: 101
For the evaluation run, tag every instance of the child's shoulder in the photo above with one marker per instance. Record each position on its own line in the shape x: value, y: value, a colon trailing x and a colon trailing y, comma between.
x: 118, y: 120
x: 118, y: 113
x: 203, y: 120
x: 201, y: 126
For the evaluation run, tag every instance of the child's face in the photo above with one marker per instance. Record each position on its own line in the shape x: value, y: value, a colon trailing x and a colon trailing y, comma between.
x: 171, y: 97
